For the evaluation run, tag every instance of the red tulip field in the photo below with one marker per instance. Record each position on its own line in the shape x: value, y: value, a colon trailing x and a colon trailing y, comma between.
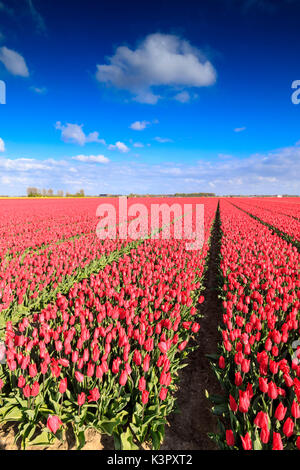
x: 98, y: 334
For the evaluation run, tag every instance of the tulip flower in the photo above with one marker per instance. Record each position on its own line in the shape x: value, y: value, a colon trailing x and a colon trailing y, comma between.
x: 81, y: 399
x: 79, y: 377
x: 280, y: 412
x: 288, y: 427
x: 53, y: 423
x: 277, y: 442
x: 246, y: 442
x: 145, y: 397
x: 63, y: 385
x: 230, y: 438
x: 94, y: 395
x: 123, y: 378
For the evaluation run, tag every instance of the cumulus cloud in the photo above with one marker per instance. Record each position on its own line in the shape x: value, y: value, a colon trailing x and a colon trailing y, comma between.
x: 163, y: 140
x: 183, y: 97
x: 39, y: 90
x: 2, y: 145
x: 13, y: 62
x: 138, y: 144
x: 139, y: 125
x: 91, y: 158
x: 275, y: 172
x: 119, y: 146
x: 26, y: 164
x: 161, y: 60
x: 73, y: 133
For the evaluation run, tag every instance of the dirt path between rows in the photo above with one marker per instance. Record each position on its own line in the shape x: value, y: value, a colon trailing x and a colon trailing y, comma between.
x: 188, y: 429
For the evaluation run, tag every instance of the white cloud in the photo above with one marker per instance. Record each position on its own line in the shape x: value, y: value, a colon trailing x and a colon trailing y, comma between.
x: 163, y: 140
x: 183, y: 97
x: 172, y: 171
x: 139, y: 125
x: 119, y: 146
x: 2, y: 145
x: 275, y: 172
x: 138, y: 144
x: 13, y: 62
x: 39, y: 90
x: 26, y: 164
x: 91, y: 158
x: 239, y: 129
x: 73, y: 133
x: 162, y: 60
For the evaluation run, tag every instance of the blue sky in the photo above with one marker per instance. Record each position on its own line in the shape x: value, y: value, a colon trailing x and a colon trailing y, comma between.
x: 119, y: 97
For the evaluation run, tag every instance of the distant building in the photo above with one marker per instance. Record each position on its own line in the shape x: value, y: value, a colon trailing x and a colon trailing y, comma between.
x: 279, y: 195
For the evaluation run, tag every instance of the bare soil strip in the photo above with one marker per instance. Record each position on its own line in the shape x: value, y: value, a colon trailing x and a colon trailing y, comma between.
x: 188, y: 429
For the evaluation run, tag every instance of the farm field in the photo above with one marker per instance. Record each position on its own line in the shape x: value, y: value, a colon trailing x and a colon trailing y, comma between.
x: 103, y: 339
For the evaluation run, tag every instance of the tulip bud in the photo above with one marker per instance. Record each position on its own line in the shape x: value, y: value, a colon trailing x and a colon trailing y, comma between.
x: 277, y: 442
x: 264, y: 435
x: 142, y: 384
x: 280, y: 412
x: 295, y: 410
x: 221, y: 362
x: 163, y: 393
x: 288, y: 427
x: 63, y: 385
x: 246, y: 442
x: 53, y: 423
x: 81, y: 399
x: 79, y: 377
x: 123, y: 378
x: 145, y: 397
x: 229, y: 438
x: 21, y: 381
x: 35, y: 389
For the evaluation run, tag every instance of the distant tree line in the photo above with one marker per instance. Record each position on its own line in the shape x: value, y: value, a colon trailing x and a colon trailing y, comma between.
x: 35, y: 192
x: 80, y: 193
x: 174, y: 195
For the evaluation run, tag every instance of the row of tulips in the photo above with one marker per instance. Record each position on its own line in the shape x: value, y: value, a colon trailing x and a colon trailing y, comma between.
x: 34, y: 276
x: 289, y: 226
x: 107, y: 353
x: 31, y: 224
x: 257, y: 364
x: 284, y: 206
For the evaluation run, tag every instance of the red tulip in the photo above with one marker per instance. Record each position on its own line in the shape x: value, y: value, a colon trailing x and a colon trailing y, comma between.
x: 63, y: 385
x: 163, y: 393
x: 94, y: 395
x: 145, y: 397
x: 35, y: 389
x: 79, y: 377
x: 53, y: 423
x: 246, y: 442
x: 280, y: 412
x: 288, y: 427
x: 230, y: 438
x: 277, y: 442
x: 123, y: 378
x: 81, y: 399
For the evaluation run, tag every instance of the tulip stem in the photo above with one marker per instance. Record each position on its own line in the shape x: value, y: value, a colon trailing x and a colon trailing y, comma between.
x: 143, y: 413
